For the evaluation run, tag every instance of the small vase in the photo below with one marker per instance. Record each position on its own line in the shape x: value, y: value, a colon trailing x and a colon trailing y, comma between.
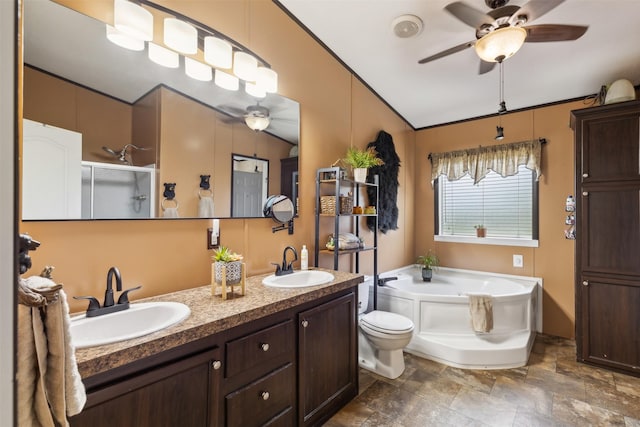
x: 427, y: 274
x: 481, y: 232
x: 232, y: 271
x: 360, y: 174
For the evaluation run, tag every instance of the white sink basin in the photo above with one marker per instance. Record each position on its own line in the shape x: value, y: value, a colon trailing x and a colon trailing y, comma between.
x: 298, y: 279
x: 138, y: 320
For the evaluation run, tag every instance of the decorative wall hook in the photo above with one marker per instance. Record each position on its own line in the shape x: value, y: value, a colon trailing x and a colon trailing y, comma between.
x: 169, y: 190
x: 204, y: 182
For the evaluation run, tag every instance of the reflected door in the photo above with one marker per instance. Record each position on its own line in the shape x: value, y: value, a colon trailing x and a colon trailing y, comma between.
x: 51, y: 175
x: 247, y: 194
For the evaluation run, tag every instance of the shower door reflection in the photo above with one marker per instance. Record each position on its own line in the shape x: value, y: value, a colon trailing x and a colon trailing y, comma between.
x: 117, y: 191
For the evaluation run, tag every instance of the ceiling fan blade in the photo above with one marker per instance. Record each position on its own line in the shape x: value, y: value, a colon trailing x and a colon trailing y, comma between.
x: 447, y: 52
x: 469, y: 15
x: 486, y: 66
x: 554, y: 33
x: 534, y: 9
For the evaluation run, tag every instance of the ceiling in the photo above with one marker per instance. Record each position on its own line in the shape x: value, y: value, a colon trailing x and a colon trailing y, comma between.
x: 359, y: 32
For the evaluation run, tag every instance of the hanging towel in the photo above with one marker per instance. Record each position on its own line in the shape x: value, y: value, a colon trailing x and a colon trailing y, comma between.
x: 49, y: 386
x: 170, y: 213
x: 481, y: 310
x: 205, y: 207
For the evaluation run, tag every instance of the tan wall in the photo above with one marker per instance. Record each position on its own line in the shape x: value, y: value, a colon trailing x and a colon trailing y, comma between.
x: 336, y: 111
x: 553, y: 260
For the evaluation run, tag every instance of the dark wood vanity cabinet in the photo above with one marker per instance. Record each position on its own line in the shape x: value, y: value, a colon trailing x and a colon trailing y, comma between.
x: 608, y: 235
x: 296, y: 367
x: 177, y: 393
x: 328, y: 359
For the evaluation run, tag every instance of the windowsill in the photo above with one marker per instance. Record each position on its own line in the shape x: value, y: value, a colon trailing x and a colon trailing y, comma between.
x: 500, y: 241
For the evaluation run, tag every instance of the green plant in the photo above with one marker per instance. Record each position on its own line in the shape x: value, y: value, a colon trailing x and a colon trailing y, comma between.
x: 224, y: 254
x: 357, y: 158
x: 428, y: 261
x: 478, y: 226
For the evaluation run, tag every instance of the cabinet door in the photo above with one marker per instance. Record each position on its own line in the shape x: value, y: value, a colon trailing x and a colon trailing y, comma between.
x: 182, y: 393
x: 328, y: 359
x: 609, y: 143
x: 611, y: 323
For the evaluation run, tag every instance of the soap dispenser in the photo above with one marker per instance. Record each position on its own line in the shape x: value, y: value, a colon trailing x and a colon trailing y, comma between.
x: 304, y: 258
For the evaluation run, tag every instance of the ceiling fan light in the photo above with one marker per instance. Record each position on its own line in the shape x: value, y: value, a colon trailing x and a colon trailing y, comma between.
x: 119, y: 38
x: 180, y: 36
x: 254, y: 90
x: 218, y: 52
x: 197, y: 70
x: 500, y: 44
x: 267, y: 79
x: 257, y: 123
x: 163, y: 56
x: 133, y: 20
x: 226, y: 80
x: 245, y: 66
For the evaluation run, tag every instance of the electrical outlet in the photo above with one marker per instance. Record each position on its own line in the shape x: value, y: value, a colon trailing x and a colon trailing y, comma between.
x: 518, y: 261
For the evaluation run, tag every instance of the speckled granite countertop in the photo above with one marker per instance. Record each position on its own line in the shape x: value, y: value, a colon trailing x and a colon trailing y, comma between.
x: 209, y: 315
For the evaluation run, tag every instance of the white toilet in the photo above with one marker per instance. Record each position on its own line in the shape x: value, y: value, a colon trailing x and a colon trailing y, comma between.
x: 381, y: 337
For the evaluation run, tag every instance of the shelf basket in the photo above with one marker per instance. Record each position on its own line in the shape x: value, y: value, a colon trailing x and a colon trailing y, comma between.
x: 328, y: 205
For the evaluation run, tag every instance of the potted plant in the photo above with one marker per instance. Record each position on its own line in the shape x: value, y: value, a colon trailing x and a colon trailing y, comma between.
x: 428, y: 262
x: 227, y: 264
x: 361, y: 160
x: 481, y: 231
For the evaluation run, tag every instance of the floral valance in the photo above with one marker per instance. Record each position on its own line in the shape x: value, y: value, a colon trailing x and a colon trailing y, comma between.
x: 478, y: 162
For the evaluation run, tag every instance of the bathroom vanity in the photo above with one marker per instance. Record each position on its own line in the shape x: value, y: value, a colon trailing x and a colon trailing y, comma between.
x: 280, y: 357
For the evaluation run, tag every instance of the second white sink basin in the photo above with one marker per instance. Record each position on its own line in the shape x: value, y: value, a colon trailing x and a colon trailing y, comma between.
x: 298, y: 279
x: 138, y: 320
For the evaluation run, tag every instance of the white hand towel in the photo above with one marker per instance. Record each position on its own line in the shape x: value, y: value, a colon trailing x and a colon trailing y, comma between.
x: 205, y: 207
x: 171, y: 213
x: 481, y: 311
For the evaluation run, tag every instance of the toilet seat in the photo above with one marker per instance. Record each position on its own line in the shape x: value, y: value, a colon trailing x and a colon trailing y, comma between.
x: 387, y: 323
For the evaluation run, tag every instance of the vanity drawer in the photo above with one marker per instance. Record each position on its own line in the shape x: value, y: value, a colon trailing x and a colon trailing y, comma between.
x: 268, y: 401
x: 260, y: 348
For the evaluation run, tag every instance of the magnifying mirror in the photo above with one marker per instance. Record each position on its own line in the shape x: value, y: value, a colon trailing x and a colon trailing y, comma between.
x: 280, y: 208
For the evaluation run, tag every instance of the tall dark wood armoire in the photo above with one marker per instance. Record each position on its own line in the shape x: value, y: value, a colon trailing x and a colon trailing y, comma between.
x: 607, y: 144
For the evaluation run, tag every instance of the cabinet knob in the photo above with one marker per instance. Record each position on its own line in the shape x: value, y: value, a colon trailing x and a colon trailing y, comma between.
x: 216, y: 364
x: 585, y: 283
x: 305, y: 323
x: 585, y: 193
x: 264, y: 346
x: 585, y: 175
x: 265, y: 395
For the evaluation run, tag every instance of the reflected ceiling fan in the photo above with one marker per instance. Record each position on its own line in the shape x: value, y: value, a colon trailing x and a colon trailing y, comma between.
x: 502, y: 31
x: 257, y: 117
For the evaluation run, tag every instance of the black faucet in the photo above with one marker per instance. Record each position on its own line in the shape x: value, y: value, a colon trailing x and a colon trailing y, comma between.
x: 286, y: 268
x: 383, y: 280
x: 109, y: 306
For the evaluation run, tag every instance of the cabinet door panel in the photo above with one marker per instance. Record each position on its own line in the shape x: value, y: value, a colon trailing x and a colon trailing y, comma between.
x: 181, y: 393
x: 610, y: 231
x: 328, y: 357
x: 611, y: 323
x: 610, y: 147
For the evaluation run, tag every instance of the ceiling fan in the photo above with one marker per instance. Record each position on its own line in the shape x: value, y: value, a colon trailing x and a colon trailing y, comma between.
x: 502, y: 31
x: 257, y: 117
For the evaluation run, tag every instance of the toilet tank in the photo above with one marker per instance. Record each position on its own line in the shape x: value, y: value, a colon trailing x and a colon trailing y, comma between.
x: 364, y: 290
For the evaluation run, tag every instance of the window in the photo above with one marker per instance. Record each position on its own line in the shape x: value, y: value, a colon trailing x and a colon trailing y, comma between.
x: 507, y: 207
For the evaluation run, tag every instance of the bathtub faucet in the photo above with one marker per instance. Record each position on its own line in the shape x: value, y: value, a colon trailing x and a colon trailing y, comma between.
x: 383, y: 280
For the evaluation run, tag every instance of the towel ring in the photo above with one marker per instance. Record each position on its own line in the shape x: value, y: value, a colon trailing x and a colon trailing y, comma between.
x: 169, y: 200
x: 205, y: 193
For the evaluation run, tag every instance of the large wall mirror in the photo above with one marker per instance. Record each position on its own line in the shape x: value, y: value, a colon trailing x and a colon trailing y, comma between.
x: 106, y: 128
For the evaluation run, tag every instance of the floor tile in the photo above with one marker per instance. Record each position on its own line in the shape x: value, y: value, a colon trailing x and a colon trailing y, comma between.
x: 557, y: 383
x: 523, y: 395
x: 612, y: 399
x: 580, y: 413
x: 476, y: 379
x: 484, y: 408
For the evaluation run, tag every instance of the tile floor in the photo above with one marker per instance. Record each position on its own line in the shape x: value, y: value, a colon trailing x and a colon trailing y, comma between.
x: 552, y: 390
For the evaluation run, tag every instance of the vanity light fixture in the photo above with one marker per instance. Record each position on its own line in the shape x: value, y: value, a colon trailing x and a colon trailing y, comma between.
x: 245, y: 66
x: 133, y: 20
x: 163, y: 56
x: 500, y: 44
x: 218, y: 52
x: 119, y: 38
x: 226, y: 80
x: 180, y: 36
x: 254, y: 90
x: 267, y: 79
x: 197, y: 70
